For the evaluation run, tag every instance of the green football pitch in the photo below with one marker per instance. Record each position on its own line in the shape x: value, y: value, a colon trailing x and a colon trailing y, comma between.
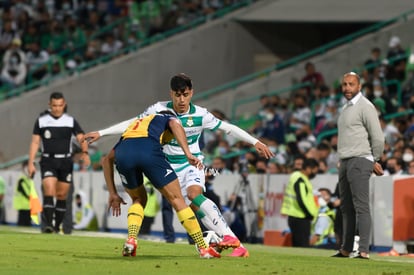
x: 25, y: 251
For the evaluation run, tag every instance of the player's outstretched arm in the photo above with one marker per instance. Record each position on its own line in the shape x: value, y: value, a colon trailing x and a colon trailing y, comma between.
x: 179, y: 133
x: 114, y: 200
x: 116, y: 129
x: 239, y: 133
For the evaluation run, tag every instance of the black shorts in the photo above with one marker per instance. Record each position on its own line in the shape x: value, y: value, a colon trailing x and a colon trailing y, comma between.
x: 60, y: 168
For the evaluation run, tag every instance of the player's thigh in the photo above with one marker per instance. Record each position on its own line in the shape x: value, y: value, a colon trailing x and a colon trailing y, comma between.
x: 158, y: 171
x: 191, y: 178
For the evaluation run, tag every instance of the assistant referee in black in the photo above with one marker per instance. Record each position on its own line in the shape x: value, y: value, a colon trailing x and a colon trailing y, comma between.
x: 53, y: 131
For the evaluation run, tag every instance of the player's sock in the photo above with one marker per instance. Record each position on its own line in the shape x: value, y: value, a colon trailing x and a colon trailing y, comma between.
x: 48, y: 210
x: 212, y: 219
x: 191, y: 225
x: 135, y: 217
x: 60, y: 211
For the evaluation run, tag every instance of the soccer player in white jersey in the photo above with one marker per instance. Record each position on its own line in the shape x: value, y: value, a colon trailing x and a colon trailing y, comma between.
x: 194, y: 119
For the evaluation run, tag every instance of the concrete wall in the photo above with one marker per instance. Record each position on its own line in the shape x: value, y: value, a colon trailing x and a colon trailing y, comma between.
x: 332, y: 64
x: 211, y: 54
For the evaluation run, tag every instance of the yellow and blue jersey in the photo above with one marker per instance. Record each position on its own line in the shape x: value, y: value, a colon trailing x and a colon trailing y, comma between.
x: 154, y: 126
x: 140, y: 151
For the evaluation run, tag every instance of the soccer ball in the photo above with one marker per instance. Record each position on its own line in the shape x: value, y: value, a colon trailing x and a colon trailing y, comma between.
x: 212, y: 239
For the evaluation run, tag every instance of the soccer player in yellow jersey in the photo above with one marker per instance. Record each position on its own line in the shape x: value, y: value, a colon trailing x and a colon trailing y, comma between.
x: 140, y: 151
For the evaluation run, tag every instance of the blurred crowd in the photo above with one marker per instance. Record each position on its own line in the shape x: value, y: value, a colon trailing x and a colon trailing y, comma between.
x: 43, y: 38
x: 303, y: 123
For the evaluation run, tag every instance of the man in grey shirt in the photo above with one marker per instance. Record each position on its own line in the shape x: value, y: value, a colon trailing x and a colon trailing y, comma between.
x: 360, y: 146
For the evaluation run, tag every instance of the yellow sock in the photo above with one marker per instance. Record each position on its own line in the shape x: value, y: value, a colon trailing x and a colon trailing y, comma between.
x: 191, y: 225
x: 135, y: 217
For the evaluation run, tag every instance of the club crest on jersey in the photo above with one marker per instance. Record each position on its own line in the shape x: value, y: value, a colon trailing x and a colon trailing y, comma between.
x: 47, y: 134
x: 190, y: 122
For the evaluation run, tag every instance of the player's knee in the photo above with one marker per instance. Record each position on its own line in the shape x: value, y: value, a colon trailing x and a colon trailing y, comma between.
x: 193, y: 193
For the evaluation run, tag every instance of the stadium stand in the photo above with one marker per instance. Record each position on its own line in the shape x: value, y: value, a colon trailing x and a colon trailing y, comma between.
x: 78, y: 35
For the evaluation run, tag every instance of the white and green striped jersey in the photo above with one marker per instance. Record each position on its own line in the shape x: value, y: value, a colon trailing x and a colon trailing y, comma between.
x: 194, y: 121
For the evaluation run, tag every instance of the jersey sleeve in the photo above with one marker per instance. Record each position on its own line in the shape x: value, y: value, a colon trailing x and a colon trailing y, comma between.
x: 210, y: 121
x: 153, y: 109
x: 36, y: 128
x: 77, y: 129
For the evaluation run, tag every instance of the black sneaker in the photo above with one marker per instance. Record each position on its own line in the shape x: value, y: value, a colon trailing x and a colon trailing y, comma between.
x: 48, y: 230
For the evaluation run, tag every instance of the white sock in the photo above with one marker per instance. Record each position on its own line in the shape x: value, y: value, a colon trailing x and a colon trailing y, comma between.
x: 211, y: 216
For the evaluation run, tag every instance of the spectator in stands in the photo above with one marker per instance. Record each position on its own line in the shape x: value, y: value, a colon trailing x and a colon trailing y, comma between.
x: 111, y: 45
x: 22, y: 22
x: 275, y: 168
x: 320, y: 102
x: 397, y: 60
x: 284, y: 111
x: 221, y: 166
x: 410, y: 168
x: 409, y: 132
x: 223, y: 147
x: 408, y: 155
x: 56, y: 36
x: 20, y: 7
x: 402, y: 125
x: 385, y: 103
x: 275, y: 102
x: 65, y: 8
x: 279, y: 150
x: 93, y: 22
x: 373, y: 62
x: 75, y: 35
x: 391, y: 132
x: 312, y: 76
x: 264, y: 104
x: 394, y: 167
x: 14, y: 69
x: 326, y: 154
x: 301, y: 114
x: 261, y: 166
x: 7, y: 34
x: 93, y: 50
x: 330, y: 117
x: 305, y: 138
x: 37, y: 60
x: 30, y: 35
x: 298, y: 162
x: 272, y: 128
